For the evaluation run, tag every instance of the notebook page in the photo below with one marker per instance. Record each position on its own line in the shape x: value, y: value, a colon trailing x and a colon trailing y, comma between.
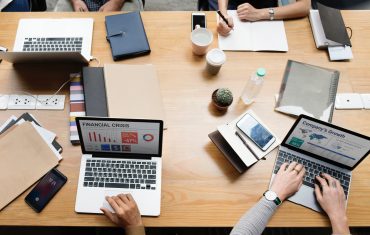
x: 269, y: 36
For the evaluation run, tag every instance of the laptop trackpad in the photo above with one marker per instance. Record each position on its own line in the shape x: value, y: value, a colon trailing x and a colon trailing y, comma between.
x: 111, y: 193
x: 306, y: 197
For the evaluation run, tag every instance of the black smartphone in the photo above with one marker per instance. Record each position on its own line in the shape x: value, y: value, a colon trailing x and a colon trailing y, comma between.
x: 198, y: 18
x: 45, y: 190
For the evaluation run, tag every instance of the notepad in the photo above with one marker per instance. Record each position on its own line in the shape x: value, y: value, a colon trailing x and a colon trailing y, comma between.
x: 254, y: 36
x: 308, y: 89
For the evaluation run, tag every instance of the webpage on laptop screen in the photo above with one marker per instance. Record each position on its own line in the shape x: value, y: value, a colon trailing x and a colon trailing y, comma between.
x: 120, y: 136
x: 327, y: 142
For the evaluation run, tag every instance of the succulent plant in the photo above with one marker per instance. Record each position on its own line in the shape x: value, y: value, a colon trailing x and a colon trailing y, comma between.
x: 224, y: 97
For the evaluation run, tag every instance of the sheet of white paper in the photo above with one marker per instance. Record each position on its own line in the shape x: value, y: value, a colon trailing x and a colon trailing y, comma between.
x: 12, y: 118
x: 254, y: 36
x: 340, y: 53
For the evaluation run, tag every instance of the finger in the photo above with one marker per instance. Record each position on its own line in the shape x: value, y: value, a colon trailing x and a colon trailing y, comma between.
x: 124, y: 198
x: 107, y: 213
x: 339, y: 186
x: 322, y: 181
x: 282, y: 168
x: 119, y: 202
x: 298, y: 167
x: 301, y: 174
x: 291, y: 166
x: 318, y: 193
x: 131, y: 198
x: 113, y: 204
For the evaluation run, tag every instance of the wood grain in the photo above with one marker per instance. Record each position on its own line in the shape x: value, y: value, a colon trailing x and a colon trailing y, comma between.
x: 200, y: 187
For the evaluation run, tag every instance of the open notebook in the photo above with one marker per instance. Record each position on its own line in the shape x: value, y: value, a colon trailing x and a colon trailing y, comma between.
x: 254, y: 36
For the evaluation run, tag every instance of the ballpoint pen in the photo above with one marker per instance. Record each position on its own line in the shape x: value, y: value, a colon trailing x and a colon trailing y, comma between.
x: 246, y: 144
x: 224, y: 18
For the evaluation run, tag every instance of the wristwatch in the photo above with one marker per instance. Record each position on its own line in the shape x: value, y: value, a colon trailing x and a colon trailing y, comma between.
x: 272, y: 196
x: 272, y: 13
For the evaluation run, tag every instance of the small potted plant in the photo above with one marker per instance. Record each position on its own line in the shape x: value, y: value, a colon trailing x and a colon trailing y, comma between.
x: 222, y: 98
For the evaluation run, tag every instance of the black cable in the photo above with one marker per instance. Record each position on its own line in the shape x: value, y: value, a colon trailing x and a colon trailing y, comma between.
x: 350, y: 30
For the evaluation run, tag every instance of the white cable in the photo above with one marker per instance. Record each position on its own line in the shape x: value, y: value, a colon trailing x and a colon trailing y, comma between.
x: 97, y: 60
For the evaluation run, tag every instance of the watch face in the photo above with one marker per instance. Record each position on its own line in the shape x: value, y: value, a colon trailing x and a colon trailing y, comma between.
x: 270, y: 195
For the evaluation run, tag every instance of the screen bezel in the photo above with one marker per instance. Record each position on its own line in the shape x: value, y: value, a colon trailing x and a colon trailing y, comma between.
x: 317, y: 156
x: 60, y: 176
x: 119, y: 154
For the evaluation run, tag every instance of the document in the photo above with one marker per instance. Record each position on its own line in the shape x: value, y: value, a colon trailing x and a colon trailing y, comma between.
x: 254, y: 36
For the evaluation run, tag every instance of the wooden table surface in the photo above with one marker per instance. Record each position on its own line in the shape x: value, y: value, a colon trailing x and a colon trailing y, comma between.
x: 200, y: 187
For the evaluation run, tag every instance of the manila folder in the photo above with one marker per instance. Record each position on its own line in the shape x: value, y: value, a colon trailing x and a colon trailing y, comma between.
x: 133, y: 92
x: 24, y: 159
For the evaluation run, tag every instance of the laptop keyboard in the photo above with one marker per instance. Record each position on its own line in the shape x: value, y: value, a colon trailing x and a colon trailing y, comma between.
x: 120, y: 174
x: 312, y: 169
x: 52, y: 44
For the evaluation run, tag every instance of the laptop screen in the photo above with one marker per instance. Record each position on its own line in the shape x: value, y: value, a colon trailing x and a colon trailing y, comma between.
x: 120, y: 136
x: 328, y: 141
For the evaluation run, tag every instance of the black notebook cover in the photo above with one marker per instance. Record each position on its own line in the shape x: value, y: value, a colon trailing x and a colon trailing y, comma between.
x: 94, y: 92
x: 333, y: 25
x: 228, y: 151
x: 126, y: 35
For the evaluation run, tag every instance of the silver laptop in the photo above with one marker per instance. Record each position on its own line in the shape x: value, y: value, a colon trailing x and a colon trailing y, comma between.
x: 47, y: 40
x: 321, y: 147
x: 119, y: 156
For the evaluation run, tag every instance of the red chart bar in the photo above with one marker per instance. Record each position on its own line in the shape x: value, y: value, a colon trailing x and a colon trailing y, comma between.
x: 90, y: 136
x: 99, y: 138
x: 94, y: 136
x: 105, y: 140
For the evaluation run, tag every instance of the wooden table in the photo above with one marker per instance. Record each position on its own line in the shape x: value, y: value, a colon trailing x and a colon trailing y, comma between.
x: 200, y: 187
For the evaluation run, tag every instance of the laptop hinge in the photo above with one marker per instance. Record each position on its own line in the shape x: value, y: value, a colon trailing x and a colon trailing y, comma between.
x: 108, y: 155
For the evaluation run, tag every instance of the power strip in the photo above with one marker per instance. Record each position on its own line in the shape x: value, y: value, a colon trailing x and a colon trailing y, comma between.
x: 15, y: 101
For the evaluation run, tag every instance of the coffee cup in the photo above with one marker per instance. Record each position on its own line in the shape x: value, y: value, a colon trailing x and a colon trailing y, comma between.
x: 215, y: 59
x: 201, y: 38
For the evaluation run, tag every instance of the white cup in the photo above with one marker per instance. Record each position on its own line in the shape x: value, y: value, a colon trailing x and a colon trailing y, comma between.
x: 201, y: 38
x: 215, y: 59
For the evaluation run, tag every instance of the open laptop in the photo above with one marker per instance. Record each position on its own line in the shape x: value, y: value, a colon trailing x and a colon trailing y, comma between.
x: 321, y: 147
x: 119, y: 156
x: 48, y: 40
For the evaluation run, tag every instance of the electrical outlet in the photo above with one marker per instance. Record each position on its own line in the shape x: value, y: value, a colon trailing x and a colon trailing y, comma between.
x: 50, y: 102
x: 4, y: 99
x: 21, y: 102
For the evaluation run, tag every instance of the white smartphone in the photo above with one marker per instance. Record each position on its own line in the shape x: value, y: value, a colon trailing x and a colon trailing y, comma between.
x: 198, y: 18
x: 255, y: 131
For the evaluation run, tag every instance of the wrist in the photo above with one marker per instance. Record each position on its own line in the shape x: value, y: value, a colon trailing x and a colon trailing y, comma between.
x: 339, y: 224
x: 282, y: 196
x: 264, y: 14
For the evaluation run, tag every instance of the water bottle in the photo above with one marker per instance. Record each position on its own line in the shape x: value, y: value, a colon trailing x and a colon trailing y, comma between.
x: 253, y: 86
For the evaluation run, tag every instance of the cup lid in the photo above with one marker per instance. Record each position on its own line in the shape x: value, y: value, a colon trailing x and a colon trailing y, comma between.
x: 216, y: 56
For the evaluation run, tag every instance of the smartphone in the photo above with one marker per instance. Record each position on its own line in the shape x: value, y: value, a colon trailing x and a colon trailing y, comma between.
x: 45, y: 190
x: 255, y: 132
x: 198, y: 18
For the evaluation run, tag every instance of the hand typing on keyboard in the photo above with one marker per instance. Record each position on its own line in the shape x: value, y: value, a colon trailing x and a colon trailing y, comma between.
x: 330, y: 195
x: 288, y: 180
x: 126, y: 214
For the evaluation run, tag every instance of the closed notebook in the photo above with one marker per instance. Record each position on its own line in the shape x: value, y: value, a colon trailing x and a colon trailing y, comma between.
x: 126, y: 35
x: 308, y: 89
x: 24, y: 159
x: 133, y: 92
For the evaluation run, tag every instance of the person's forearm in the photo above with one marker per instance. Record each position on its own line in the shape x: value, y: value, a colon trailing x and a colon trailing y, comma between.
x: 255, y: 220
x: 293, y: 10
x: 222, y: 5
x: 135, y: 230
x: 340, y: 225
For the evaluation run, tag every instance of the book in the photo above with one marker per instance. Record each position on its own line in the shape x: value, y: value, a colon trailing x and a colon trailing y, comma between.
x: 254, y: 36
x: 133, y: 92
x: 308, y: 89
x: 126, y: 35
x: 77, y: 106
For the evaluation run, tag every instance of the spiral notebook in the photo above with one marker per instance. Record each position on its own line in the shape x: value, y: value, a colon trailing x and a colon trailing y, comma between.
x: 308, y: 89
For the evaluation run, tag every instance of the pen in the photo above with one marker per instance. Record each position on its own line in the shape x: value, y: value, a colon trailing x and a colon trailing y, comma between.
x: 246, y: 145
x: 224, y: 18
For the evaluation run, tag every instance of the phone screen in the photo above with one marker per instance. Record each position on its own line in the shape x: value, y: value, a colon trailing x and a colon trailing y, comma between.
x: 255, y: 131
x: 44, y: 191
x: 198, y: 20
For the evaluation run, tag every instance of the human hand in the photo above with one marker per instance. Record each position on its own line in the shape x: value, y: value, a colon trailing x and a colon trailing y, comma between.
x: 248, y: 13
x: 288, y: 180
x: 112, y: 5
x: 126, y: 211
x: 223, y: 28
x: 332, y: 200
x: 79, y: 5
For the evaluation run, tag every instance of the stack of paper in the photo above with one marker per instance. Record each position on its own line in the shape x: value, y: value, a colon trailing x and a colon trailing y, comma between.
x: 77, y: 106
x: 27, y: 152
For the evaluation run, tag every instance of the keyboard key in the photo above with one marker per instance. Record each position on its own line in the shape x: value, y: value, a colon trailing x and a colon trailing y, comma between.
x: 116, y: 185
x: 89, y: 179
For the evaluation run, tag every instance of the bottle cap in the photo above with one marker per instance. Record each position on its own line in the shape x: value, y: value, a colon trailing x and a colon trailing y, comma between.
x: 261, y: 72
